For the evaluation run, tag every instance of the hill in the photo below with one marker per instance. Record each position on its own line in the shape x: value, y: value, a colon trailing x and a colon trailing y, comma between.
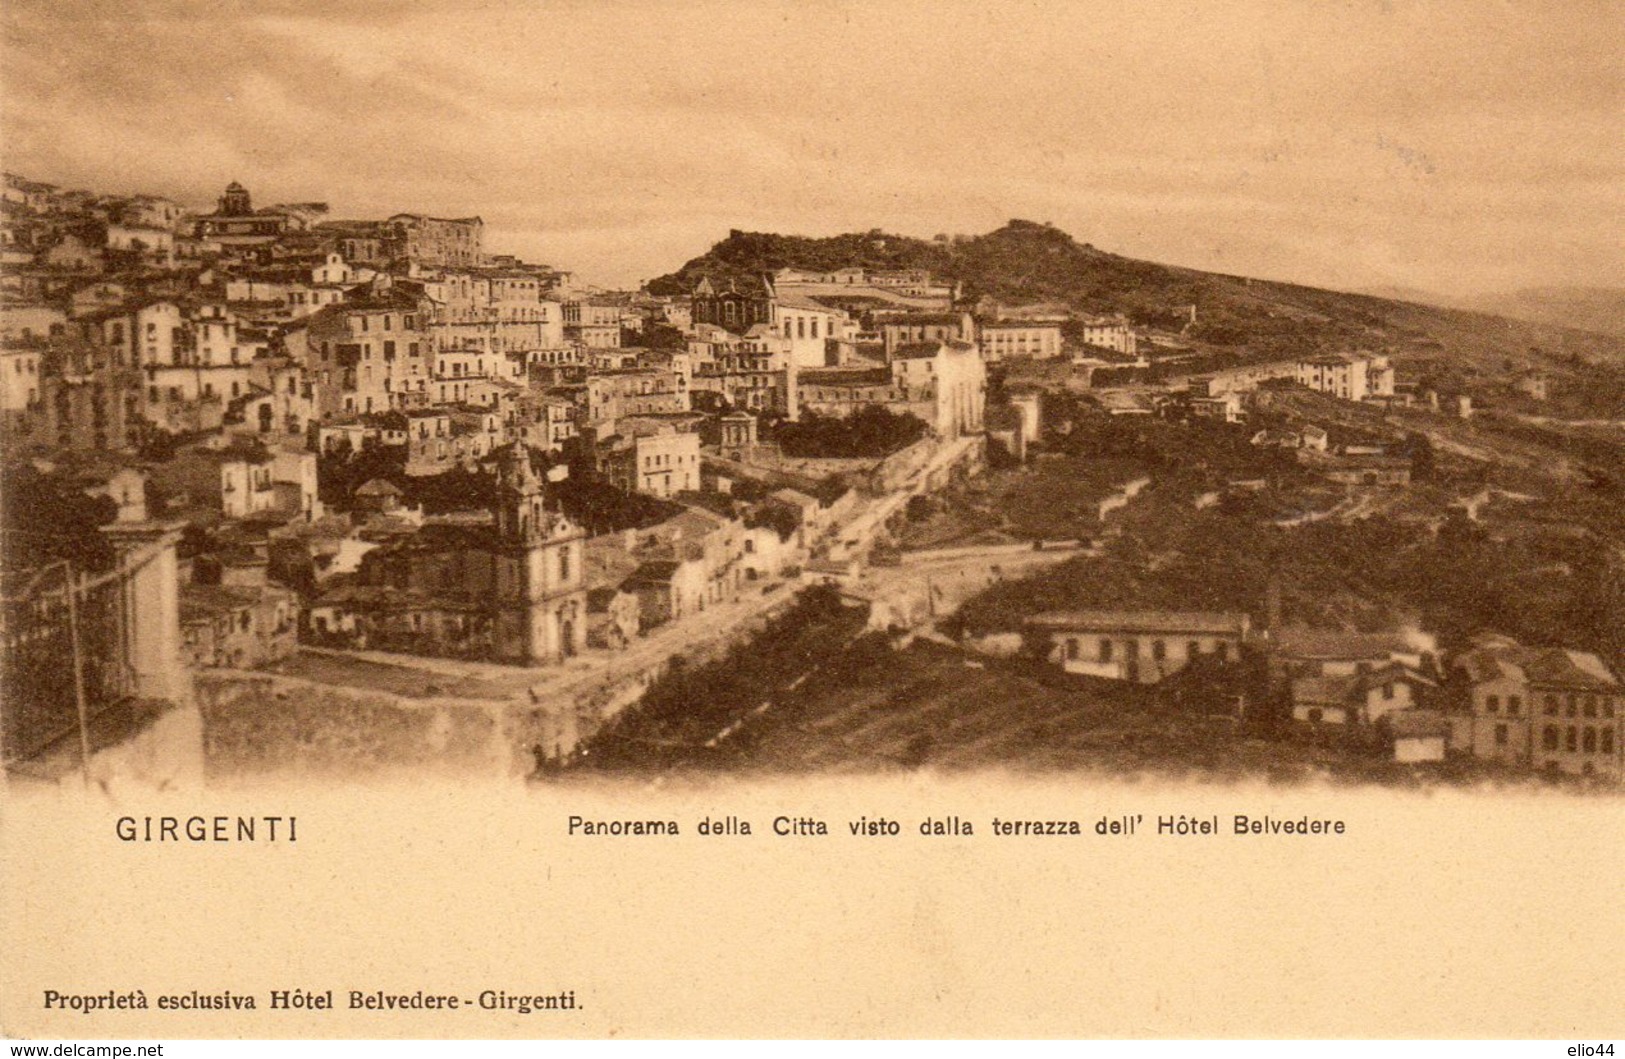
x: 1238, y: 318
x: 1599, y: 309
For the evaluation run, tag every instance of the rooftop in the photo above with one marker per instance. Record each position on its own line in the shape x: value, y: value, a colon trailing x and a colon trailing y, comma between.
x: 1148, y: 621
x: 1300, y: 642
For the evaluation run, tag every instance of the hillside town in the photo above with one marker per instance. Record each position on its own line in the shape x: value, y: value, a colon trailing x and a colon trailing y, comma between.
x: 290, y: 491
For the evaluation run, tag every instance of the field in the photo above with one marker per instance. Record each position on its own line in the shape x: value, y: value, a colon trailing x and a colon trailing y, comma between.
x: 934, y: 706
x: 1055, y: 497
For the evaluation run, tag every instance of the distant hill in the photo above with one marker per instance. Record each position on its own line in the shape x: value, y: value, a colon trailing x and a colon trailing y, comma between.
x: 1237, y: 317
x: 1597, y: 309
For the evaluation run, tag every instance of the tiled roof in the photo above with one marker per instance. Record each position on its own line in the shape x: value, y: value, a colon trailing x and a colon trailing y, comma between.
x: 1300, y: 642
x: 1557, y: 666
x: 1146, y: 621
x: 926, y: 320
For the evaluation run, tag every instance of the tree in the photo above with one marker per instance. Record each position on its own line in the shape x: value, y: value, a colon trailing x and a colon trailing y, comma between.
x: 869, y: 433
x: 48, y: 518
x: 1421, y: 453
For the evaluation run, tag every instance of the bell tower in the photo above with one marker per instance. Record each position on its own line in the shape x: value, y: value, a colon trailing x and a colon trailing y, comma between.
x: 521, y: 512
x: 544, y: 600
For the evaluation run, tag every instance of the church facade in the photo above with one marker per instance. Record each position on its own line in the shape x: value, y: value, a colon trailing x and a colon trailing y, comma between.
x: 734, y: 305
x: 511, y: 590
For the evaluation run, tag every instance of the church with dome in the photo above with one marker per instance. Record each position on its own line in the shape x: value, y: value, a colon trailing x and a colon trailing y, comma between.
x: 235, y: 221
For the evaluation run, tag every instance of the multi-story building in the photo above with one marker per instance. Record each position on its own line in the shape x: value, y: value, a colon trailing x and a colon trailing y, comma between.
x: 755, y: 372
x: 291, y: 292
x: 454, y: 242
x: 815, y: 335
x: 281, y: 401
x: 1139, y: 646
x: 87, y: 401
x: 845, y: 391
x: 369, y: 354
x: 657, y: 455
x: 544, y: 421
x: 594, y: 336
x: 914, y: 328
x: 19, y: 379
x: 609, y: 395
x: 949, y: 378
x: 1112, y: 334
x: 237, y: 626
x: 1544, y: 708
x: 1013, y: 338
x: 495, y: 310
x: 942, y: 383
x: 1350, y: 376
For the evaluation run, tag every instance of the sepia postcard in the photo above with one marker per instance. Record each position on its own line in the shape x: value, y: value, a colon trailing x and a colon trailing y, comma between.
x: 811, y: 519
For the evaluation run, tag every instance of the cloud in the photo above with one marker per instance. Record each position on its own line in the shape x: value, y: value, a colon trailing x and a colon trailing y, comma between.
x: 1274, y: 138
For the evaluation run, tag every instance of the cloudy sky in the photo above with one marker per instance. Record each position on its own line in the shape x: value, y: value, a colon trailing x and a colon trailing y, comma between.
x: 1456, y: 147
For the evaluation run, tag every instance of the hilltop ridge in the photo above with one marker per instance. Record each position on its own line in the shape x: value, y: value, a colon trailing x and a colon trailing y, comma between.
x: 1236, y: 316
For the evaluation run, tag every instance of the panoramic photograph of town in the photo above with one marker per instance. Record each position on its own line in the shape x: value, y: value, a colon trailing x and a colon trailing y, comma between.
x: 389, y: 397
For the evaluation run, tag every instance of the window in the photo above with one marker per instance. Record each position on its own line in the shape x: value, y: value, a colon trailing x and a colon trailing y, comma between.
x: 1591, y: 706
x: 1500, y: 735
x: 1105, y: 650
x: 1574, y: 705
x: 1223, y: 651
x: 1193, y: 648
x: 1315, y: 715
x: 1551, y: 705
x: 1607, y: 707
x: 1607, y: 741
x: 1388, y: 690
x: 1590, y: 740
x: 1159, y: 650
x: 1514, y: 705
x: 1073, y: 649
x: 1572, y: 742
x: 1548, y: 737
x: 1492, y: 703
x: 564, y: 563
